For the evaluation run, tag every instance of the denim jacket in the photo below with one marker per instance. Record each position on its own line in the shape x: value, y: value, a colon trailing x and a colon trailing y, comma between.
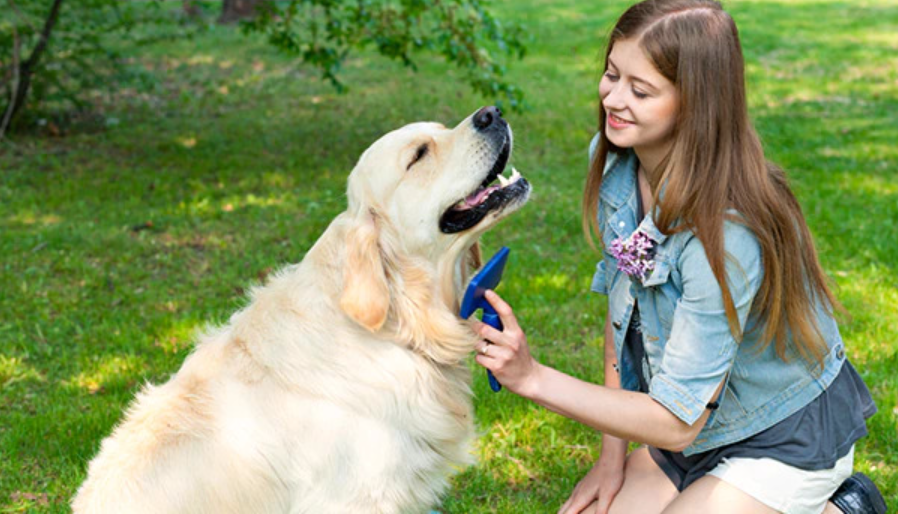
x: 688, y: 344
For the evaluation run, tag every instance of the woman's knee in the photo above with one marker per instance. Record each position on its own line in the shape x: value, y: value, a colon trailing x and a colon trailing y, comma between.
x: 640, y: 463
x: 646, y: 488
x: 709, y: 494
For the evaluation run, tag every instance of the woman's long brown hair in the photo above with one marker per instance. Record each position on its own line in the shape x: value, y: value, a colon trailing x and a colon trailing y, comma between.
x: 716, y: 162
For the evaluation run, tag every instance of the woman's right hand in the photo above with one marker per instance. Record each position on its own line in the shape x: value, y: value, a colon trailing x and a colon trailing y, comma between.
x: 595, y: 492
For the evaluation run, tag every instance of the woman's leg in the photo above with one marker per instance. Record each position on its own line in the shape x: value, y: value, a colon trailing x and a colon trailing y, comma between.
x: 646, y: 489
x: 764, y: 485
x: 712, y: 495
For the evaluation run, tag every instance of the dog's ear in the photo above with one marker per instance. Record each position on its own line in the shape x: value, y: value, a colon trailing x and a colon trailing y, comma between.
x: 366, y: 293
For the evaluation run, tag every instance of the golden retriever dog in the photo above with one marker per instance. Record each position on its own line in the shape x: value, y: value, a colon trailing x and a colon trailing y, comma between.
x: 342, y: 387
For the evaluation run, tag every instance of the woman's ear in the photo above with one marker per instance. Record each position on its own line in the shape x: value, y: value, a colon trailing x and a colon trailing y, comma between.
x: 366, y: 293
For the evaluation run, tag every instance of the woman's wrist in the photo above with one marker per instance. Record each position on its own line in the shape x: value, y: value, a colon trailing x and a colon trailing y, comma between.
x: 532, y: 384
x: 614, y: 450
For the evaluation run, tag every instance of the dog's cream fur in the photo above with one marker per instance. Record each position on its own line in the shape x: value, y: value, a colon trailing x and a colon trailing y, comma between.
x: 342, y: 387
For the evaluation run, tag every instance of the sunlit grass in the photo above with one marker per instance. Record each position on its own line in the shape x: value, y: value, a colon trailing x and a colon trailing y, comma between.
x: 119, y: 244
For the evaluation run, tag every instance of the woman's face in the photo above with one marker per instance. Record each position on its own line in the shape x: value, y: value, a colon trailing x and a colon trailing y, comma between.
x: 640, y: 103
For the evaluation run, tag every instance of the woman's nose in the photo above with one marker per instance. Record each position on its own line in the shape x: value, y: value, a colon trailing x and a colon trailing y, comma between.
x: 614, y: 100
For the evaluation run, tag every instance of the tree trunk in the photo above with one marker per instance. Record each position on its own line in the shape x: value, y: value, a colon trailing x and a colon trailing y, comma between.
x: 26, y: 69
x: 236, y: 10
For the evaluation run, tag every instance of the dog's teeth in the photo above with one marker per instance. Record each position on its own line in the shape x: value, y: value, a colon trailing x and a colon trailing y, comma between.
x: 514, y: 175
x: 502, y: 180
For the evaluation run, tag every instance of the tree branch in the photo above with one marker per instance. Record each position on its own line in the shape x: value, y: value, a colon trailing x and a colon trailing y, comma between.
x: 45, y: 35
x: 26, y: 69
x: 16, y: 52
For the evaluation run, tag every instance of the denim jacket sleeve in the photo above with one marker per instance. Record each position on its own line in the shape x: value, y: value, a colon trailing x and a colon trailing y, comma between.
x: 701, y: 349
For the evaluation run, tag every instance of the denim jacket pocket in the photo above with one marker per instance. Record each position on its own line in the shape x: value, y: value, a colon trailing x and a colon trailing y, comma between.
x: 663, y: 294
x: 659, y: 274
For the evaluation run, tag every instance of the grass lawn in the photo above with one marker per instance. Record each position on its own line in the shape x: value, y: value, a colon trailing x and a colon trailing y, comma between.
x: 239, y: 157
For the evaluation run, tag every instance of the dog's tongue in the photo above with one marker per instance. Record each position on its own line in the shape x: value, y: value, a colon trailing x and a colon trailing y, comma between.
x: 477, y: 197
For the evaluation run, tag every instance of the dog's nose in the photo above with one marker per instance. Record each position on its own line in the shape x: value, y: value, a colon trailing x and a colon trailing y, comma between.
x: 485, y: 117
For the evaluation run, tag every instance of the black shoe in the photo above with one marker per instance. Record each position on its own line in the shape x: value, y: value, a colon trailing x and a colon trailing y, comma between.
x: 859, y: 495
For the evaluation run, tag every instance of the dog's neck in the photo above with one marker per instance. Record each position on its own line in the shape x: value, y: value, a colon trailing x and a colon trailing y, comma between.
x: 423, y: 295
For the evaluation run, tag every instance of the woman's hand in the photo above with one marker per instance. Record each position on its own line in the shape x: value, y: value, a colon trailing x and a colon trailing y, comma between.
x: 506, y: 353
x: 595, y: 492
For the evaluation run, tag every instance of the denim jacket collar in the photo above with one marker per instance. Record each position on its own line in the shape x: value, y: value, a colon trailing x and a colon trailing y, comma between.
x: 619, y: 189
x: 619, y: 178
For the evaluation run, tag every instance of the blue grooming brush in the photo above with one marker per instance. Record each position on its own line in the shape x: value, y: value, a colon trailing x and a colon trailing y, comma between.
x: 487, y: 278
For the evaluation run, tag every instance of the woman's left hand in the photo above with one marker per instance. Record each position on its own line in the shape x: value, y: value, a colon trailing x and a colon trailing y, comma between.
x: 506, y: 353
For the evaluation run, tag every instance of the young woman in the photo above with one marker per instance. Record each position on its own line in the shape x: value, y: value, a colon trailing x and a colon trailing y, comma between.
x: 722, y: 356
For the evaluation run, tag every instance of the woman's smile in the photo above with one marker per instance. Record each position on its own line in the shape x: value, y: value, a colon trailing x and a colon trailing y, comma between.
x: 618, y: 123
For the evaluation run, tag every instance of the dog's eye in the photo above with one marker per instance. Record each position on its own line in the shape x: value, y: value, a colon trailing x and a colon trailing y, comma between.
x: 419, y: 154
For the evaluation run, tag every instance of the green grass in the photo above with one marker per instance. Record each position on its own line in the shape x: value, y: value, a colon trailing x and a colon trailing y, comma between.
x: 239, y: 159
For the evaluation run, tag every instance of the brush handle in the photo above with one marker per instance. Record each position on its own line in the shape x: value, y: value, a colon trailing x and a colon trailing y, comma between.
x: 492, y: 319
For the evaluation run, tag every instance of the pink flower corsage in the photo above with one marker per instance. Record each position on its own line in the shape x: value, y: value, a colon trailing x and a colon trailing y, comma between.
x: 634, y: 254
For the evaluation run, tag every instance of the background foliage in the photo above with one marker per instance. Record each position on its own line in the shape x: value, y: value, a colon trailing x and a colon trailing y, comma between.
x: 73, y: 53
x: 119, y: 240
x: 81, y: 58
x: 324, y: 32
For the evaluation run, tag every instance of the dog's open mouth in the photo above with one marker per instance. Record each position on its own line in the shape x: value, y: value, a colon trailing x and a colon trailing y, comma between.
x: 470, y: 210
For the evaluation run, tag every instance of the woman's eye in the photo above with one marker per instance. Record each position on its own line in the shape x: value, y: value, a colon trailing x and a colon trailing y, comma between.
x: 419, y: 154
x: 611, y: 76
x: 639, y: 94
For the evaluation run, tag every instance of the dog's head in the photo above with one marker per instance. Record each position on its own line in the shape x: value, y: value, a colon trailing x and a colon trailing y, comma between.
x: 435, y: 184
x: 420, y: 197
